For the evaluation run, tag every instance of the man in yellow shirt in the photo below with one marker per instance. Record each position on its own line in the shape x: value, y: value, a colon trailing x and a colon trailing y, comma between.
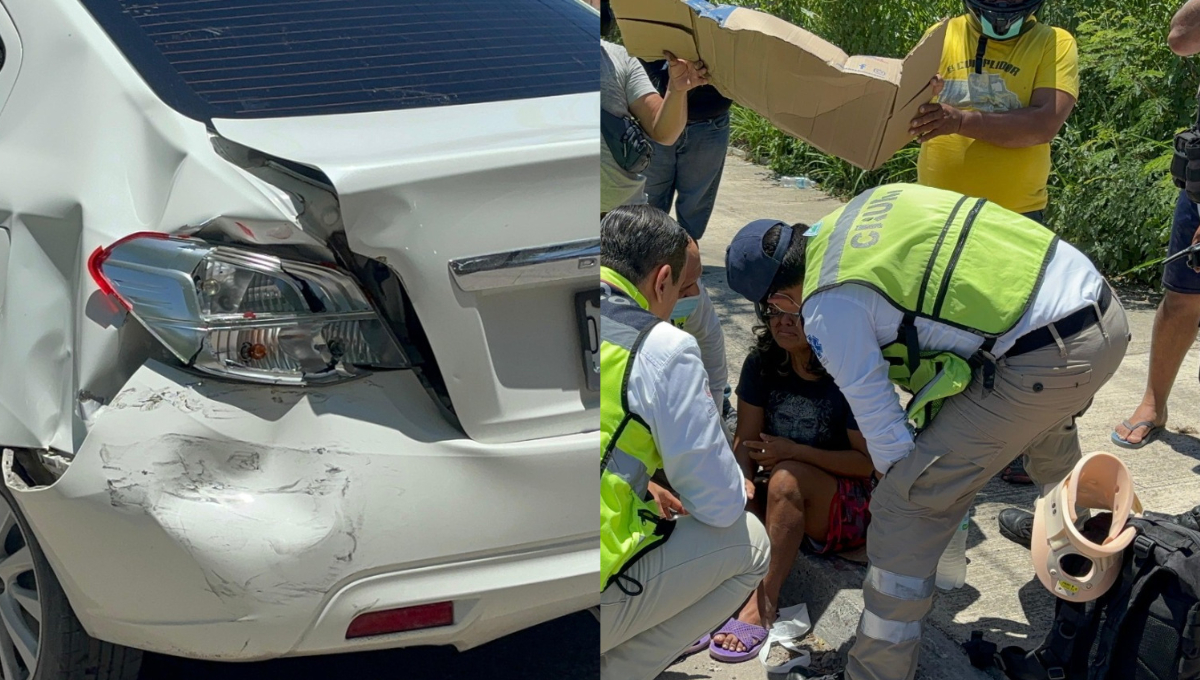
x: 1007, y: 84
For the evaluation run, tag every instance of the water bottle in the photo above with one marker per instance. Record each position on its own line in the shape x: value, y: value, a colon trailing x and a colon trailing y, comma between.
x: 952, y: 568
x: 797, y: 182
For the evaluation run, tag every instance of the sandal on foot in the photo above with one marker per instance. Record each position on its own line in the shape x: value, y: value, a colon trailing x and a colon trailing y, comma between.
x: 696, y: 646
x: 1015, y: 472
x: 751, y: 636
x: 1152, y: 432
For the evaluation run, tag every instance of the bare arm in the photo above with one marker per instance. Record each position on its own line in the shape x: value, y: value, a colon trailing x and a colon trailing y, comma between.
x: 664, y: 117
x: 1038, y: 123
x: 750, y: 419
x: 852, y: 462
x: 1184, y: 38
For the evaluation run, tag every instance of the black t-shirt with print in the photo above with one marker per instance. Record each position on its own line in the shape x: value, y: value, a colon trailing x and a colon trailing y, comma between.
x: 811, y: 412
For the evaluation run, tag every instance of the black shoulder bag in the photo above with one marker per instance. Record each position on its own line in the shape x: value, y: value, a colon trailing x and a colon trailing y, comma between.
x: 1185, y: 165
x: 627, y: 141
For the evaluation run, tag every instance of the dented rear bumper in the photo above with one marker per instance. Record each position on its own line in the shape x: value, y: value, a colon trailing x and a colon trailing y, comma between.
x: 222, y: 521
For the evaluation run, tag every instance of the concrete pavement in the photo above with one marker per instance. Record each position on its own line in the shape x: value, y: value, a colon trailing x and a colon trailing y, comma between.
x: 1002, y: 597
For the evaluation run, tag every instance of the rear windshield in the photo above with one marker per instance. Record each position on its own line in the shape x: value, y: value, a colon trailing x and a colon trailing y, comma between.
x: 276, y: 58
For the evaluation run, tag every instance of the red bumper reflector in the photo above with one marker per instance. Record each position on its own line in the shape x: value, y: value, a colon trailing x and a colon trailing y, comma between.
x: 400, y: 620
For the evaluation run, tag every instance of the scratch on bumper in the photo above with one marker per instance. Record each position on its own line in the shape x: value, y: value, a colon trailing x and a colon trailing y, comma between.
x: 222, y: 496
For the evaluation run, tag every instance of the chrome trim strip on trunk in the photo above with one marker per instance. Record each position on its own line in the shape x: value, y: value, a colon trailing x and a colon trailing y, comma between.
x: 575, y: 260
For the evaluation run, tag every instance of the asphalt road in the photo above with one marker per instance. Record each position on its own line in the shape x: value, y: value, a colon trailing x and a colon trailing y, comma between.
x: 563, y: 649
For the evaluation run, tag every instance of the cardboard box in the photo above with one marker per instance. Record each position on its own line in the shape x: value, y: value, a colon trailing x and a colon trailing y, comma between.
x: 854, y: 107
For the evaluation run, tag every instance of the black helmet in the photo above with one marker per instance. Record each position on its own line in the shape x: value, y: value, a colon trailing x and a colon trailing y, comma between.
x: 1002, y: 14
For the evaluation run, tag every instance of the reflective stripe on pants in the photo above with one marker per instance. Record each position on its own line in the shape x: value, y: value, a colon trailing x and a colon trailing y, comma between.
x: 918, y: 505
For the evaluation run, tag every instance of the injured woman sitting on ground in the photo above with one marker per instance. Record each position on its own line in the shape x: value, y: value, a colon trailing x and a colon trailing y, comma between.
x: 798, y: 442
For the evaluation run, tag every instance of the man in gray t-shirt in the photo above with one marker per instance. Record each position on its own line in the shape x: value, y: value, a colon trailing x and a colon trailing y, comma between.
x: 625, y: 89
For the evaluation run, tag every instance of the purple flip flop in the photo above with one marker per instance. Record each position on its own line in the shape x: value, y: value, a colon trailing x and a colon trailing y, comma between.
x: 751, y: 636
x: 696, y: 646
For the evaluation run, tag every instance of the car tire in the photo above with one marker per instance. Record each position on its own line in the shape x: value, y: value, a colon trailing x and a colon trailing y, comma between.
x: 64, y: 651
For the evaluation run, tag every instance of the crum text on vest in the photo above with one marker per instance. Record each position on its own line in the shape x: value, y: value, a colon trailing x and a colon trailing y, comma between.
x: 867, y: 231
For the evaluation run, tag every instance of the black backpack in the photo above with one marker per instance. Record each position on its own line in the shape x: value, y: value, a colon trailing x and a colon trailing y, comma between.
x: 1146, y: 627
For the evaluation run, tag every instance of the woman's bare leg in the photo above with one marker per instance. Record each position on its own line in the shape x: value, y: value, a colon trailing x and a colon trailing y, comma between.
x: 798, y: 498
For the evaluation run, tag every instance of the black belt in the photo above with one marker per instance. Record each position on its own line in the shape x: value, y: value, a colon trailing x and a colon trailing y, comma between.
x: 1066, y: 327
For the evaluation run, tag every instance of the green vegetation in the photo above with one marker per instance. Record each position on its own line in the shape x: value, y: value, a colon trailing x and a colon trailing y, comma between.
x: 1110, y: 190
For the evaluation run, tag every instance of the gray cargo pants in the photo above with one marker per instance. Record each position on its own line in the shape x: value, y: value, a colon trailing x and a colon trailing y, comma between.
x: 691, y: 583
x: 919, y: 503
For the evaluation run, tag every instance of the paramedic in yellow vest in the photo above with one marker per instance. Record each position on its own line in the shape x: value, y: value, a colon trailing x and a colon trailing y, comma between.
x: 1008, y: 84
x: 1032, y: 325
x: 673, y: 568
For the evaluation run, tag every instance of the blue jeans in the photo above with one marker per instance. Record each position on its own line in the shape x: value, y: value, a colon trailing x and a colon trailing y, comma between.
x: 689, y: 172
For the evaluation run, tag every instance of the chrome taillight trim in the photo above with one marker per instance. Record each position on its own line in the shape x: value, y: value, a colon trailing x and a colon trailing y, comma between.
x: 561, y: 262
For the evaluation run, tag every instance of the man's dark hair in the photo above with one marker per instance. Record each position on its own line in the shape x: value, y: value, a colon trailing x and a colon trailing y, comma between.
x: 607, y: 19
x: 791, y: 270
x: 637, y: 239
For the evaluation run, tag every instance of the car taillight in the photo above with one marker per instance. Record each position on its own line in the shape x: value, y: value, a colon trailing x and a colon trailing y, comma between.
x: 244, y: 314
x: 399, y: 620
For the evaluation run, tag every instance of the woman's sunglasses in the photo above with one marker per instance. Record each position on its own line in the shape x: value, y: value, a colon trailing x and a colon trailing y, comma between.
x: 776, y: 307
x: 771, y: 312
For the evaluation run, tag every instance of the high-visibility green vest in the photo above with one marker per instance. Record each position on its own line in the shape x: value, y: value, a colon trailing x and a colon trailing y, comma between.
x: 629, y: 525
x: 932, y: 254
x: 938, y: 376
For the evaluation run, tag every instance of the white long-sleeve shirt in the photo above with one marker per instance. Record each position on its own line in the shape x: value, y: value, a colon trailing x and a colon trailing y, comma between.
x: 705, y: 325
x: 668, y: 388
x: 848, y: 325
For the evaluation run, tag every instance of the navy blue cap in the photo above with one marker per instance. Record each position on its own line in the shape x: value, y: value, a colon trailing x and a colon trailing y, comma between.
x: 748, y: 268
